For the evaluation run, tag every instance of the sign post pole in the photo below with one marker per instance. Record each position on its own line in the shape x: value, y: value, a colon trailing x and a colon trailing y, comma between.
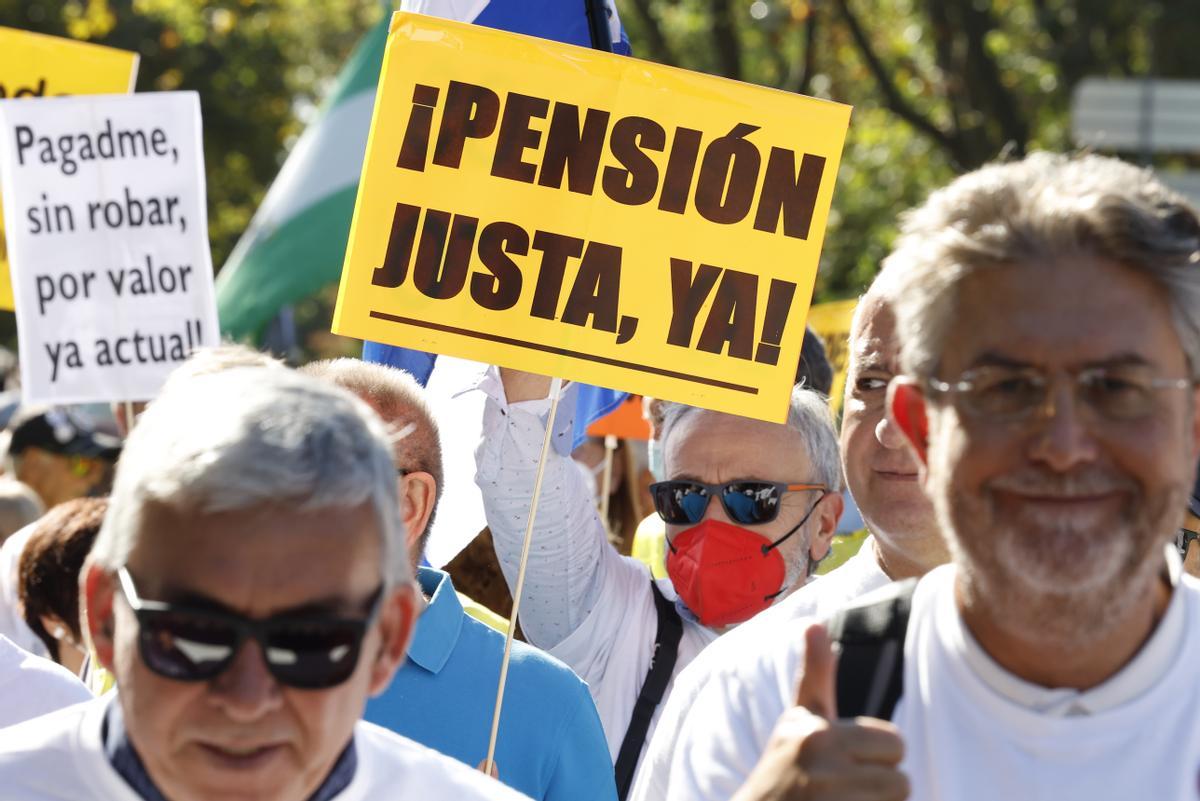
x: 610, y: 449
x: 555, y: 395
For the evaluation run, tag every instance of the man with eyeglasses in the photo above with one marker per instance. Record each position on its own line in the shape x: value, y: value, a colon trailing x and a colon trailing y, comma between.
x: 1050, y: 324
x: 749, y: 506
x: 249, y: 589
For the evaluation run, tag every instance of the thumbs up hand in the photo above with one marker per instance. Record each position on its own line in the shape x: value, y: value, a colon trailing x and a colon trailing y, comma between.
x: 813, y: 756
x: 817, y: 690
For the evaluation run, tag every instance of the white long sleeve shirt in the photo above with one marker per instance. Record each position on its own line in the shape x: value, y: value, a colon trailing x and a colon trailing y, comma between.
x: 971, y: 730
x: 583, y: 602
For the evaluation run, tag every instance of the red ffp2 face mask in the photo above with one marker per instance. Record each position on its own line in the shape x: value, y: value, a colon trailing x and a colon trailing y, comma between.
x: 727, y: 574
x: 724, y: 573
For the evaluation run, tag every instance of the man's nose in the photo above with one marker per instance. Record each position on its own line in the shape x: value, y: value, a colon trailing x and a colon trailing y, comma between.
x: 246, y: 690
x: 888, y: 434
x: 1063, y: 439
x: 716, y: 510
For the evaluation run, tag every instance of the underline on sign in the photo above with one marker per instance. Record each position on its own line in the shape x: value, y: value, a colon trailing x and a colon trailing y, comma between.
x: 644, y: 368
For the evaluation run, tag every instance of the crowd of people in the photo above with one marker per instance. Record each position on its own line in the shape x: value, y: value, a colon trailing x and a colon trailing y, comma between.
x: 232, y: 603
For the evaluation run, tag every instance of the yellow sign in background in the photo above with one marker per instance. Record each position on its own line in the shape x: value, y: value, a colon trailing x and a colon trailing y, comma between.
x: 832, y: 321
x: 34, y: 65
x: 595, y: 217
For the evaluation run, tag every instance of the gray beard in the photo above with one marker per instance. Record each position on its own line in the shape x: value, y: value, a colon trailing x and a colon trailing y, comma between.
x: 1058, y: 585
x: 796, y: 569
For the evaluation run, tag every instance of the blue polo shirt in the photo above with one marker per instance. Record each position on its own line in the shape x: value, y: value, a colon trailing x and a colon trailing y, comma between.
x: 550, y: 746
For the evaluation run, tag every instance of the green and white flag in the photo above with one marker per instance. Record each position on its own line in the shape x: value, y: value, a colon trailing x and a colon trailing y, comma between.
x: 296, y: 242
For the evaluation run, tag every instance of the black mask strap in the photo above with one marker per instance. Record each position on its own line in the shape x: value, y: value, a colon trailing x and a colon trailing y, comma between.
x: 766, y: 549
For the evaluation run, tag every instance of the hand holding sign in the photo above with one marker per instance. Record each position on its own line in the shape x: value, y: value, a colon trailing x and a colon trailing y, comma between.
x: 812, y: 755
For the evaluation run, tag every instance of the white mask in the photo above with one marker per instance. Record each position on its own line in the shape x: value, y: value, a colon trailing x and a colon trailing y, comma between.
x: 657, y: 460
x: 591, y: 477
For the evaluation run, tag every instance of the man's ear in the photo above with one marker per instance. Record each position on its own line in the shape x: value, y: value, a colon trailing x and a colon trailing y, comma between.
x: 397, y: 621
x: 906, y: 410
x: 97, y: 588
x: 418, y: 495
x: 828, y: 513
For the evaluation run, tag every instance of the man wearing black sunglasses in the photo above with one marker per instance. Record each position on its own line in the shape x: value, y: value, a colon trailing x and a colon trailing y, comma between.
x: 249, y: 590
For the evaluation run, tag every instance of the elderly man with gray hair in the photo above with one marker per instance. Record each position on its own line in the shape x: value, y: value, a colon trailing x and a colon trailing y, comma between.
x: 1050, y: 324
x: 750, y: 507
x: 249, y: 589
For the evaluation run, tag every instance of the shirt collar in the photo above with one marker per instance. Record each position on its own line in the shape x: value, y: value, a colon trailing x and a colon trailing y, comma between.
x: 123, y: 757
x: 439, y: 625
x: 1143, y: 672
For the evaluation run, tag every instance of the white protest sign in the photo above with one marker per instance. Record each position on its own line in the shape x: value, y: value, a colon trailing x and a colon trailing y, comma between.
x: 104, y: 204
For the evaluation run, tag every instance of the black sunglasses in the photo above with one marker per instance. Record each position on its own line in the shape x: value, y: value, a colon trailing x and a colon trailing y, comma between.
x: 1184, y: 539
x: 748, y: 501
x: 188, y: 644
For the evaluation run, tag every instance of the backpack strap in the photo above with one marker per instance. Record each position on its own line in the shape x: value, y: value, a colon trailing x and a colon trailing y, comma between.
x: 870, y: 672
x: 662, y: 665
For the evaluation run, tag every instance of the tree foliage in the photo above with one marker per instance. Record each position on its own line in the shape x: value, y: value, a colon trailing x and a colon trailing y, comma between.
x: 938, y: 86
x: 260, y: 68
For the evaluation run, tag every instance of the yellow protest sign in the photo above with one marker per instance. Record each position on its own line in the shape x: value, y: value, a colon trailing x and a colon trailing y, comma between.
x: 832, y: 322
x: 595, y: 217
x: 35, y: 65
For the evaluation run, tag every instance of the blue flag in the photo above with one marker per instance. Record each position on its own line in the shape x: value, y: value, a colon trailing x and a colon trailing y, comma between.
x: 417, y: 362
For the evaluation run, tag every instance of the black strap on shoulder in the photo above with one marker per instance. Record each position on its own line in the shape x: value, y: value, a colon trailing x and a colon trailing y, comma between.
x: 662, y: 665
x: 870, y: 673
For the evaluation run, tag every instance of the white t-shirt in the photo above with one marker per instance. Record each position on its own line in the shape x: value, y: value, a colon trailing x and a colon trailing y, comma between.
x: 61, y: 757
x: 31, y: 686
x: 12, y: 624
x: 968, y: 738
x: 817, y: 601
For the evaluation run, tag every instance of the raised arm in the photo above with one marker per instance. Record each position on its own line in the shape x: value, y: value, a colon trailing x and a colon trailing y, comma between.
x: 571, y: 557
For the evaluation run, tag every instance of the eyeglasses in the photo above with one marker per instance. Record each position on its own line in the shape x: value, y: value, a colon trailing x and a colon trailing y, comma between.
x: 188, y: 644
x: 748, y: 502
x: 1184, y: 539
x: 1127, y: 392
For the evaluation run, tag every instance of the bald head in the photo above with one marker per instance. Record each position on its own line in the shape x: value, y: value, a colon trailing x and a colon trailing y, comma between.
x: 400, y: 401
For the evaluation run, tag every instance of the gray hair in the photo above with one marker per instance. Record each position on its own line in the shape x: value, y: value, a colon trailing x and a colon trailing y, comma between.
x: 808, y: 415
x: 250, y: 437
x: 217, y: 359
x: 397, y: 397
x: 1041, y: 209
